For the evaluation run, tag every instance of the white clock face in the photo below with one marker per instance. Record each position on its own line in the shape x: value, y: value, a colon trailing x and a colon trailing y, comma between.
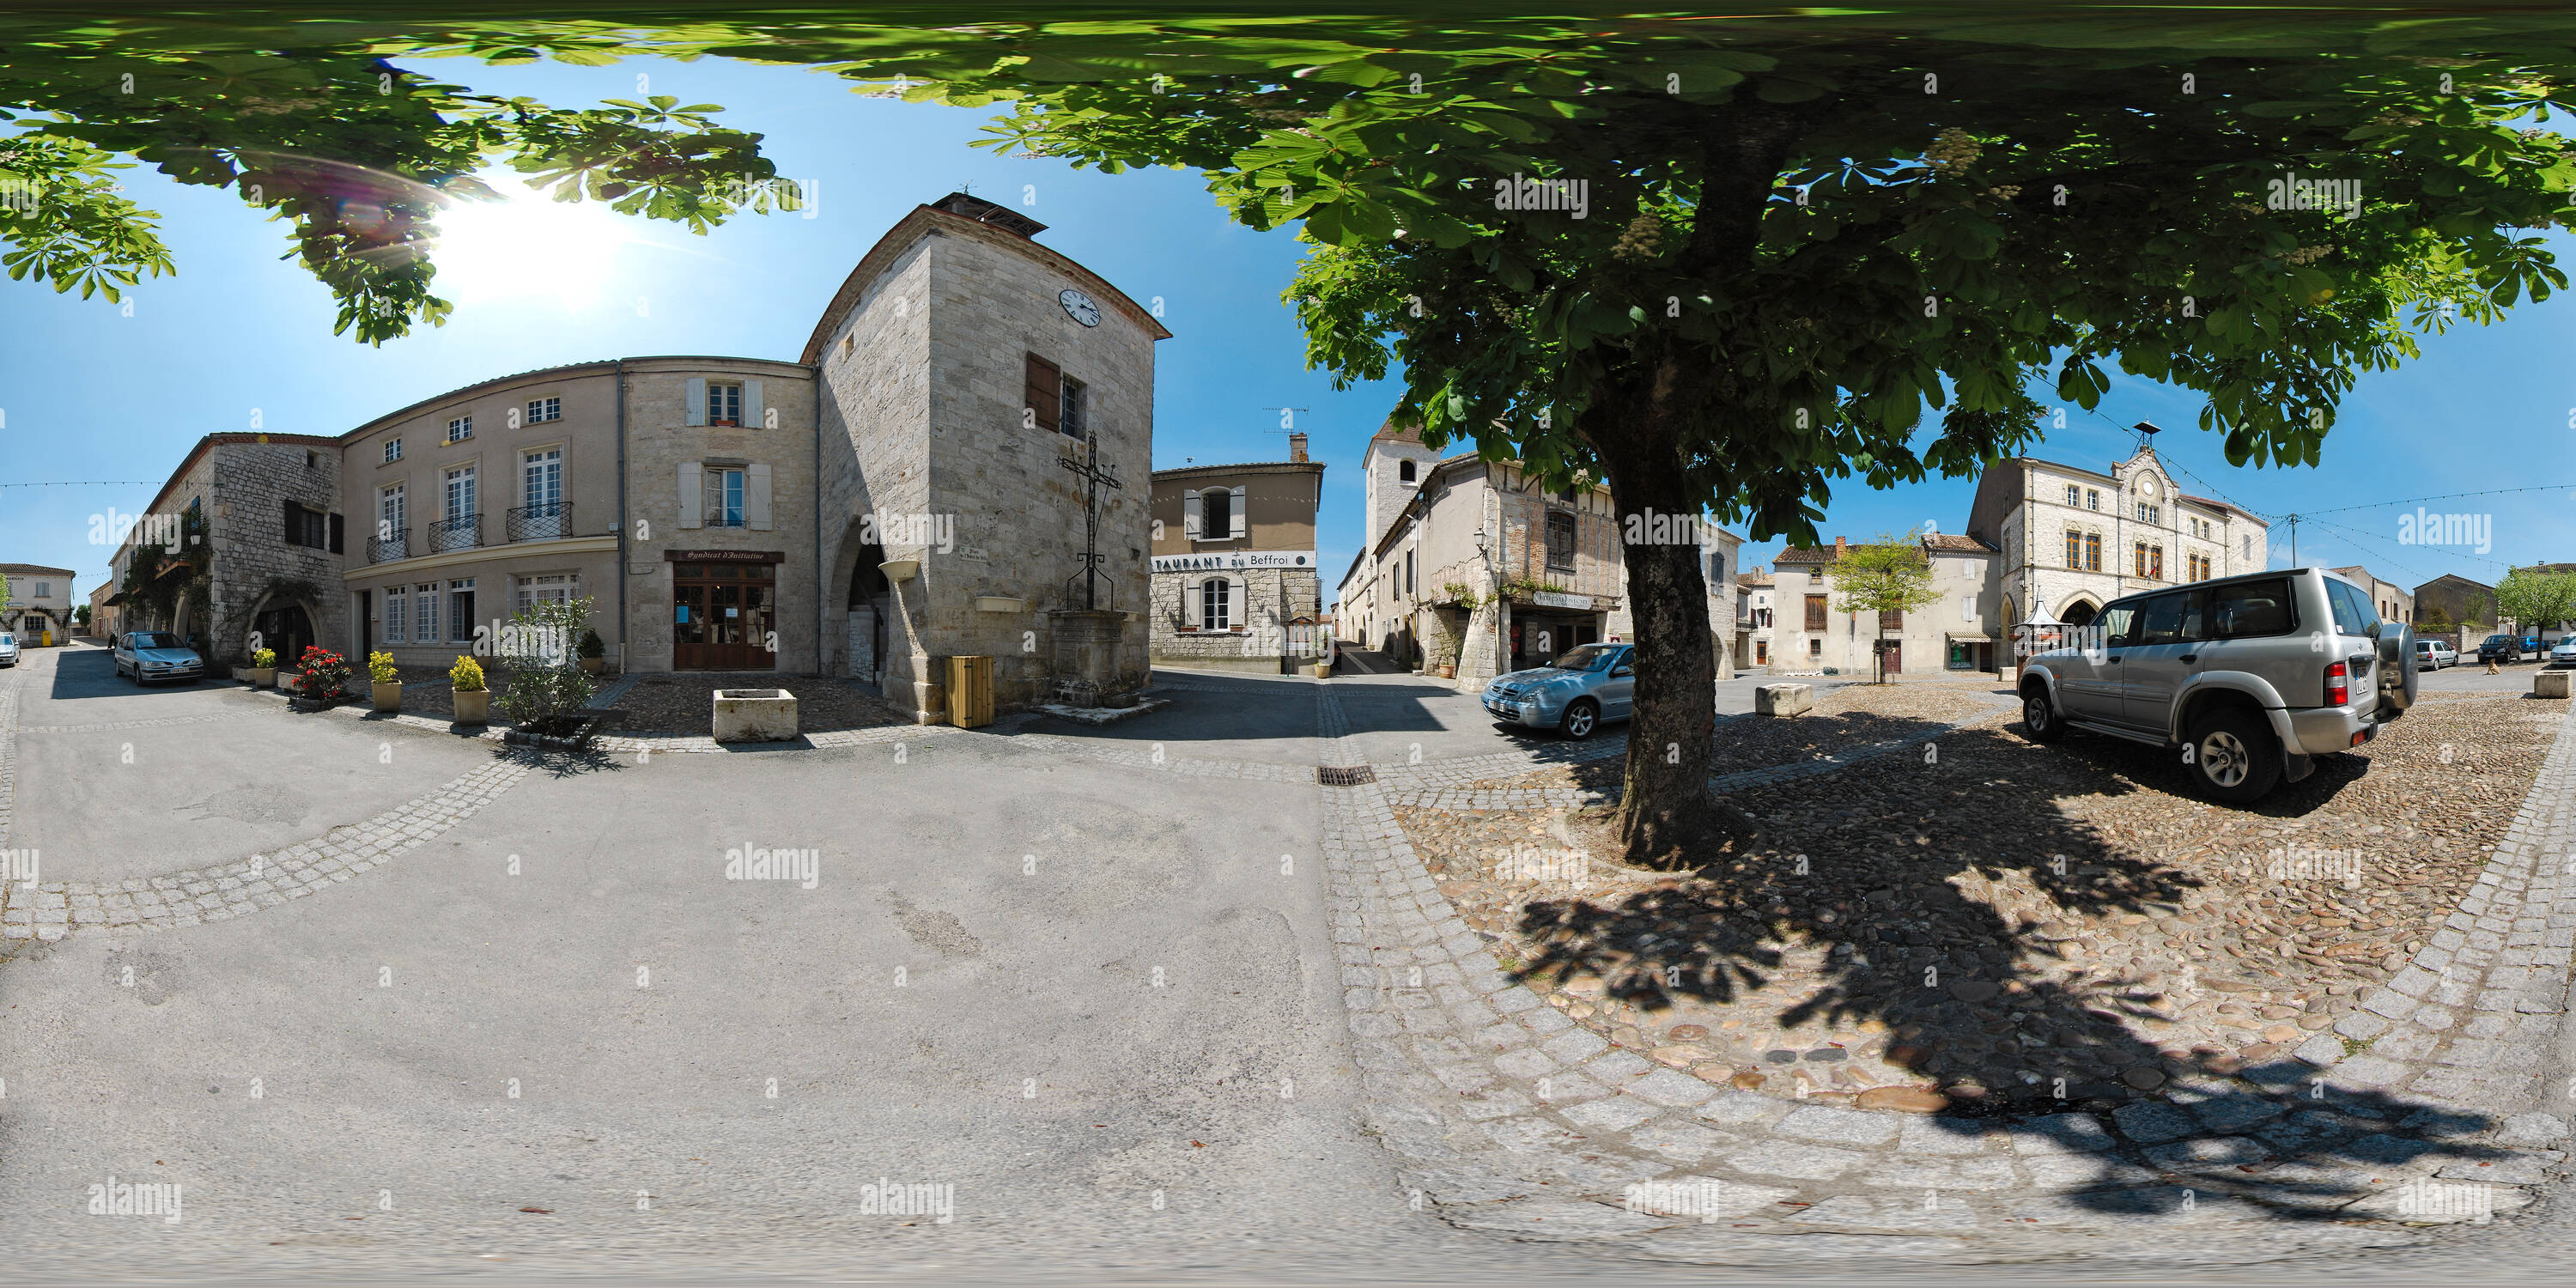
x: 1079, y: 307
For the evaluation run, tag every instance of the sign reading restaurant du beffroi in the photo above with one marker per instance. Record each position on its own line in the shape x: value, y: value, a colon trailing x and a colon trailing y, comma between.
x: 1234, y: 560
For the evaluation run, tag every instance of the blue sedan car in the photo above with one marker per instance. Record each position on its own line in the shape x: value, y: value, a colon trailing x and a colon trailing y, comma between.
x: 1572, y: 694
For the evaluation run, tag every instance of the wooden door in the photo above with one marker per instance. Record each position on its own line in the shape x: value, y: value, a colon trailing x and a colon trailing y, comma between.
x: 723, y: 616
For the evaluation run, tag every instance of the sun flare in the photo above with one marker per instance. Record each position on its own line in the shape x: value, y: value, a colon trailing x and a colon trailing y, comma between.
x: 527, y: 246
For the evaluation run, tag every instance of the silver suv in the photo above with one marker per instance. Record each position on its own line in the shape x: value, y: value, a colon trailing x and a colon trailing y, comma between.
x: 2251, y: 677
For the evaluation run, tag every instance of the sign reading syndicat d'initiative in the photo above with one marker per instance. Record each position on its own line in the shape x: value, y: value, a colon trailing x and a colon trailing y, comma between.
x: 1235, y: 561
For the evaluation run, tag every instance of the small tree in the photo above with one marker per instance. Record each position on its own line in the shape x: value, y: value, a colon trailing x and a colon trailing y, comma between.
x: 1889, y: 575
x: 539, y: 649
x: 2535, y: 600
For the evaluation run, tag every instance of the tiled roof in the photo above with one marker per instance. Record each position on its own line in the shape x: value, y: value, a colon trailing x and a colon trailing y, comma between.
x: 1805, y: 555
x: 1955, y: 541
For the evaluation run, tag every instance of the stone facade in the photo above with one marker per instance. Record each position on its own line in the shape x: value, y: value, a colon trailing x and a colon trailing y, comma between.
x: 2133, y: 530
x: 2459, y: 600
x: 742, y: 513
x: 2394, y: 602
x: 1257, y: 569
x: 1955, y: 633
x: 962, y: 295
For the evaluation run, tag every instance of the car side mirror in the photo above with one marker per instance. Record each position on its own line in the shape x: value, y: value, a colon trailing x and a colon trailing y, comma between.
x: 1625, y: 670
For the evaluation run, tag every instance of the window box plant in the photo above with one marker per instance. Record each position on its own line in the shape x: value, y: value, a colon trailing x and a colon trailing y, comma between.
x: 385, y: 681
x: 473, y: 702
x: 263, y: 668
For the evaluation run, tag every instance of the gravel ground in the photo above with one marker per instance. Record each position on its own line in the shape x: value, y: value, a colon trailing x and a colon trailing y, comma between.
x: 1852, y: 716
x: 2007, y: 915
x: 684, y: 704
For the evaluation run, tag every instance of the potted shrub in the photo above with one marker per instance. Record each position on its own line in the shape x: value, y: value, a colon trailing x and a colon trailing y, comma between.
x: 548, y: 687
x: 385, y: 680
x: 473, y: 701
x: 594, y: 652
x: 263, y: 668
x: 323, y: 675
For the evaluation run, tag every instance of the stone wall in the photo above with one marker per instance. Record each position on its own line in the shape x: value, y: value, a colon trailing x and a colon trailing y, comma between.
x: 1270, y: 597
x: 246, y: 486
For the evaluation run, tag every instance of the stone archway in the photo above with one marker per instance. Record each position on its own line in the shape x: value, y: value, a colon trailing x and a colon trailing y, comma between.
x: 2079, y: 612
x: 285, y: 623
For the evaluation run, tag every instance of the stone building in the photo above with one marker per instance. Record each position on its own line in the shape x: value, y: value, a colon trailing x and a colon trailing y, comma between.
x: 1234, y: 562
x: 896, y: 495
x: 39, y: 603
x: 251, y: 535
x: 102, y: 617
x: 2394, y: 602
x: 2459, y: 600
x: 2071, y: 540
x: 1806, y: 630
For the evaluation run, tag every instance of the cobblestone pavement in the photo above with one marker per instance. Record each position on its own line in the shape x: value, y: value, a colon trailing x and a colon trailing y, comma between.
x: 1506, y: 1116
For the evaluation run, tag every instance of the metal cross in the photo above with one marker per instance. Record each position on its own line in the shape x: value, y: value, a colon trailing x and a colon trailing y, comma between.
x: 1087, y: 468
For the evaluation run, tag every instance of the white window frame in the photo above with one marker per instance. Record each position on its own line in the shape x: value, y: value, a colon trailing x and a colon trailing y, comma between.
x: 393, y: 449
x: 464, y: 586
x: 460, y: 429
x: 1223, y: 603
x: 461, y: 498
x: 397, y: 611
x: 717, y: 510
x: 541, y: 410
x: 536, y: 462
x: 547, y: 587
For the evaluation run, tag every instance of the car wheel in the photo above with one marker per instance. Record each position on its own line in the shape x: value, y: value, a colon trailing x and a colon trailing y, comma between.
x: 1582, y: 716
x: 2233, y: 756
x: 2039, y: 718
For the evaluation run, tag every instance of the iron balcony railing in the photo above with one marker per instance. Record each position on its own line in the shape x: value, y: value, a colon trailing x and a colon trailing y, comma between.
x: 389, y: 548
x: 540, y: 522
x: 455, y: 534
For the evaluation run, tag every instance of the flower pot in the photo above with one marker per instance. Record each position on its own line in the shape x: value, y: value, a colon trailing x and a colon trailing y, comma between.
x: 287, y: 680
x: 389, y: 696
x: 473, y: 706
x: 262, y: 677
x: 1448, y: 672
x: 595, y: 665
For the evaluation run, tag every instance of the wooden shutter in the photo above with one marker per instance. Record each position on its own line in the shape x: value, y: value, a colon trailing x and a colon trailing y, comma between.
x: 693, y: 495
x: 1815, y: 612
x: 1045, y: 392
x: 1235, y: 512
x: 697, y: 400
x: 751, y: 416
x: 294, y: 530
x: 755, y: 496
x: 335, y: 534
x: 1192, y: 515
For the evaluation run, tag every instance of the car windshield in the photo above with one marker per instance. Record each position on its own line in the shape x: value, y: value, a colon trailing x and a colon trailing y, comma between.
x: 1589, y: 657
x: 153, y: 639
x: 2498, y: 639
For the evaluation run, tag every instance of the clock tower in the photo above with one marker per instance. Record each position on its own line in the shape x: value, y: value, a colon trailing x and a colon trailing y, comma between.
x: 958, y: 367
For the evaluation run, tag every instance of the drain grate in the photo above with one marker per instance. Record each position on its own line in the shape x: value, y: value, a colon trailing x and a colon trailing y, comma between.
x: 1344, y: 776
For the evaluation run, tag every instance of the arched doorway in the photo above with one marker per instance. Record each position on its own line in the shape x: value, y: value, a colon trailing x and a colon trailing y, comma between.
x: 287, y: 628
x: 2080, y: 613
x: 867, y: 605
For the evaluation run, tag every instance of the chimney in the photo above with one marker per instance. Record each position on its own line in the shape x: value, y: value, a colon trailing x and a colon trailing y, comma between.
x: 1297, y: 448
x: 1838, y: 549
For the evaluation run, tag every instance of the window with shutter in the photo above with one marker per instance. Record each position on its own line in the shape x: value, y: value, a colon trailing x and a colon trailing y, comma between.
x: 1815, y: 612
x: 1891, y: 619
x: 1076, y: 403
x: 1216, y: 513
x: 1045, y: 393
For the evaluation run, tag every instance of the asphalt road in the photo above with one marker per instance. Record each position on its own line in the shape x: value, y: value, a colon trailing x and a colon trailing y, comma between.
x: 1098, y: 1003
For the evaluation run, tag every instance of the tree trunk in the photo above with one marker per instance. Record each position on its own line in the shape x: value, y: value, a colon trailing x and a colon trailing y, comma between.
x: 1664, y: 804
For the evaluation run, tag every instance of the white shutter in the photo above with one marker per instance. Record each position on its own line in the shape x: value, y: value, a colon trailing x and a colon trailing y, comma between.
x: 697, y: 406
x: 1234, y: 514
x: 1189, y: 603
x: 693, y: 493
x: 755, y: 496
x: 1190, y: 515
x: 751, y: 417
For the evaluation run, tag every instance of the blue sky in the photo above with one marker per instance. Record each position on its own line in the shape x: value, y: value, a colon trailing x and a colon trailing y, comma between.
x: 93, y: 394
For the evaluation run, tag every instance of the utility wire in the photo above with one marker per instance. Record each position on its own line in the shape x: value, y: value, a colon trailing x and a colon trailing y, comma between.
x: 92, y: 483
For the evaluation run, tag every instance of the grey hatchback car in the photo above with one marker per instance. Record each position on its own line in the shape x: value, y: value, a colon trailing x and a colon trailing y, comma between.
x: 2250, y: 677
x: 1572, y: 695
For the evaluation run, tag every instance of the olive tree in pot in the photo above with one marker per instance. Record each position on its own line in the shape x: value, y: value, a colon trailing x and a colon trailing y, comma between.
x: 594, y: 653
x: 548, y: 687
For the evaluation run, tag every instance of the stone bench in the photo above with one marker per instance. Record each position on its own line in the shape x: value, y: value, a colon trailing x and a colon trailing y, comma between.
x: 754, y: 715
x: 1783, y: 699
